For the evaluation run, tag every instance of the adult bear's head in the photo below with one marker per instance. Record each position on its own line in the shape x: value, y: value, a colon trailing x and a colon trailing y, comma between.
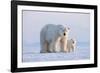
x: 62, y: 30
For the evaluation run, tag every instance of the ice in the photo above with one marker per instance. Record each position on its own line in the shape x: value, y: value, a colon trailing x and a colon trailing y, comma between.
x: 32, y: 54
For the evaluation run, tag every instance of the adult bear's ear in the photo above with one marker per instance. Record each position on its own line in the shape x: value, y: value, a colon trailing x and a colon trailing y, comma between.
x: 67, y: 29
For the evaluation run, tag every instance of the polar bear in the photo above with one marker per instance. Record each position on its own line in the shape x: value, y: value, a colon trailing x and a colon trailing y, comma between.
x: 50, y: 37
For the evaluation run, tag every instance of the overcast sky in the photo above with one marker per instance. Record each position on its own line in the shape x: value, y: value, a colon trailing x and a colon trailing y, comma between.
x: 33, y: 21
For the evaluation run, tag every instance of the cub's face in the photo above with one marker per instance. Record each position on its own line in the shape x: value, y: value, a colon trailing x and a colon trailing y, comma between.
x: 62, y: 30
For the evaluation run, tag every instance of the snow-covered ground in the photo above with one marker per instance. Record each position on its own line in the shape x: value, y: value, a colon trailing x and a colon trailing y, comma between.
x: 32, y: 54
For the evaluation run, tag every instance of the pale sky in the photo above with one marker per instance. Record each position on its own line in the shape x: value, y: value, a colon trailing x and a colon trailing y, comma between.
x: 33, y: 21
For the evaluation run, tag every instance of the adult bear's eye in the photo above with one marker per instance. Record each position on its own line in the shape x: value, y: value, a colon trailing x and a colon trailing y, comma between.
x: 64, y: 34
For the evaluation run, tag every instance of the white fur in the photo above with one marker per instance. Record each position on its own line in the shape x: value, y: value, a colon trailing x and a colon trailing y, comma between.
x: 71, y: 45
x: 50, y: 37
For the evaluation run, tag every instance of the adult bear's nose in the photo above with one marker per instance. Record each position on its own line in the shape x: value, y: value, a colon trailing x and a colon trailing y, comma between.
x: 64, y: 34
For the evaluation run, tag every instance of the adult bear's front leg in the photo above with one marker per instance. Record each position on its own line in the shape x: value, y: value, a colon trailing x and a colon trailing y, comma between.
x: 63, y: 45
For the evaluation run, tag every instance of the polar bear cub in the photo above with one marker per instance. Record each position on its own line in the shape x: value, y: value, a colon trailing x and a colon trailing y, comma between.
x: 71, y: 45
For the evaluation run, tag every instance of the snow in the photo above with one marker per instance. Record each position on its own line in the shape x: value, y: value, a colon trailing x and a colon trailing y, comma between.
x: 32, y: 54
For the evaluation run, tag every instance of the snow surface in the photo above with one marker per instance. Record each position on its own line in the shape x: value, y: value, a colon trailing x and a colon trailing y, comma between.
x: 32, y: 54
